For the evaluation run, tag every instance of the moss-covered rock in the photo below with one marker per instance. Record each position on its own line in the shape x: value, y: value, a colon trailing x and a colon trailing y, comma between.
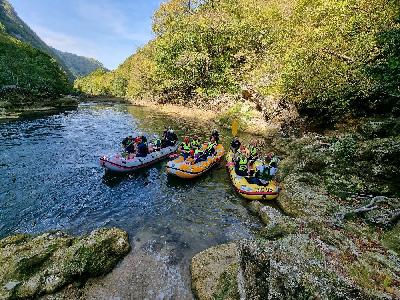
x: 335, y: 232
x: 37, y: 265
x: 297, y: 266
x: 300, y: 199
x: 276, y: 224
x: 214, y: 273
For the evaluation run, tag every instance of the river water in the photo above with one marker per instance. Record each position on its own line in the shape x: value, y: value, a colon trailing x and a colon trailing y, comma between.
x: 50, y: 179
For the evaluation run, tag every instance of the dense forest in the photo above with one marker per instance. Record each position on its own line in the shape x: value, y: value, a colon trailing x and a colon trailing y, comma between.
x: 326, y: 57
x: 27, y: 73
x: 30, y: 70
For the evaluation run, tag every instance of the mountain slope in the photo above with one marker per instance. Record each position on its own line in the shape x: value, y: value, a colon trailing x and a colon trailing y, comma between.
x: 28, y: 75
x: 78, y: 65
x: 17, y: 28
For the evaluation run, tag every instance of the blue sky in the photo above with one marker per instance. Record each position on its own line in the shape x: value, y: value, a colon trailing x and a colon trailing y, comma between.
x: 108, y: 30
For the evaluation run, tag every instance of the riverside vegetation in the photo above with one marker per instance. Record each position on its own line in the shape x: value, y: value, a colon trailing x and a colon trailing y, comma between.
x: 336, y: 232
x: 325, y: 75
x: 328, y: 58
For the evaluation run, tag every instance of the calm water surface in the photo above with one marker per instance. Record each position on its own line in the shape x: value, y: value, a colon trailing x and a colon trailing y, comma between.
x: 50, y: 179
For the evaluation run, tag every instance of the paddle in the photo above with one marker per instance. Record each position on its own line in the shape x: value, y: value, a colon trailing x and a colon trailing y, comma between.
x: 235, y: 127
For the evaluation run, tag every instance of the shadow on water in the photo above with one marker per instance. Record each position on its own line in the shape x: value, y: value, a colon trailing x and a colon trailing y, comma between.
x: 31, y: 115
x: 113, y: 179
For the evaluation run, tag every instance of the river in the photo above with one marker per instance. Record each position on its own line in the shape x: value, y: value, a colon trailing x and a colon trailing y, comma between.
x: 50, y: 179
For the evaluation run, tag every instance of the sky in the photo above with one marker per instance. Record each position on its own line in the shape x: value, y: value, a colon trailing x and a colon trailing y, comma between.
x: 107, y: 30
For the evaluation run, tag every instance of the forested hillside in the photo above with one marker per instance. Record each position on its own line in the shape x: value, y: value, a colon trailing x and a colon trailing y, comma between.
x: 17, y: 28
x: 325, y: 56
x: 28, y: 74
x: 73, y: 65
x: 78, y: 65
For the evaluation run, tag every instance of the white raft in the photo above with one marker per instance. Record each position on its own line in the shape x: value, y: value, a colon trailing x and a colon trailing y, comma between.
x: 117, y: 163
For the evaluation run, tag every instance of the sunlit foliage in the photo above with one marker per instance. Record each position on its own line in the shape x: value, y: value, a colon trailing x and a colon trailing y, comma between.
x: 326, y: 56
x: 30, y: 71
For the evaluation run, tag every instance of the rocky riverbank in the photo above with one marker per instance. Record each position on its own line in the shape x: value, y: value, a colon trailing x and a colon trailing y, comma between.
x: 23, y: 107
x: 336, y: 234
x: 221, y: 111
x: 33, y: 266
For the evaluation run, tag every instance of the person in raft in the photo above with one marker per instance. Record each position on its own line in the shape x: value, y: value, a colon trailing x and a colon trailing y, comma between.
x: 253, y: 151
x: 126, y: 141
x: 211, y: 146
x: 169, y: 138
x: 185, y: 147
x: 235, y: 144
x: 128, y: 144
x: 265, y: 172
x: 156, y: 144
x: 195, y: 143
x: 132, y: 147
x: 215, y: 135
x: 242, y: 163
x: 208, y: 149
x: 142, y: 147
x: 241, y: 151
x: 191, y: 160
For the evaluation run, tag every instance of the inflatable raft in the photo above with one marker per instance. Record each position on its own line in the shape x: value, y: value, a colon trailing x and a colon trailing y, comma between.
x: 181, y: 168
x: 248, y: 190
x: 117, y: 163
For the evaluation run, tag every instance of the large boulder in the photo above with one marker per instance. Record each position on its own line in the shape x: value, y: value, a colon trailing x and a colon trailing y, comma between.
x: 276, y: 223
x: 296, y: 266
x: 299, y: 199
x: 35, y: 265
x: 214, y: 273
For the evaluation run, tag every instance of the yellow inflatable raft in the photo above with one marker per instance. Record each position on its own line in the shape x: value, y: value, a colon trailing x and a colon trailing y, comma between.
x: 183, y: 169
x: 248, y: 190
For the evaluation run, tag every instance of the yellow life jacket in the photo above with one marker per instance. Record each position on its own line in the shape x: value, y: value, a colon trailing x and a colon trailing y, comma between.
x: 253, y: 151
x: 210, y: 146
x: 195, y: 144
x: 243, y: 163
x: 186, y: 147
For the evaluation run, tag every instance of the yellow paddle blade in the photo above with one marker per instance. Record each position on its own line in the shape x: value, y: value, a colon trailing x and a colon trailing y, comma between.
x: 235, y: 127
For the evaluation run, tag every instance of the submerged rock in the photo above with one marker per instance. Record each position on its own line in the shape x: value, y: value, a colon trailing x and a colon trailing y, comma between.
x: 35, y: 265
